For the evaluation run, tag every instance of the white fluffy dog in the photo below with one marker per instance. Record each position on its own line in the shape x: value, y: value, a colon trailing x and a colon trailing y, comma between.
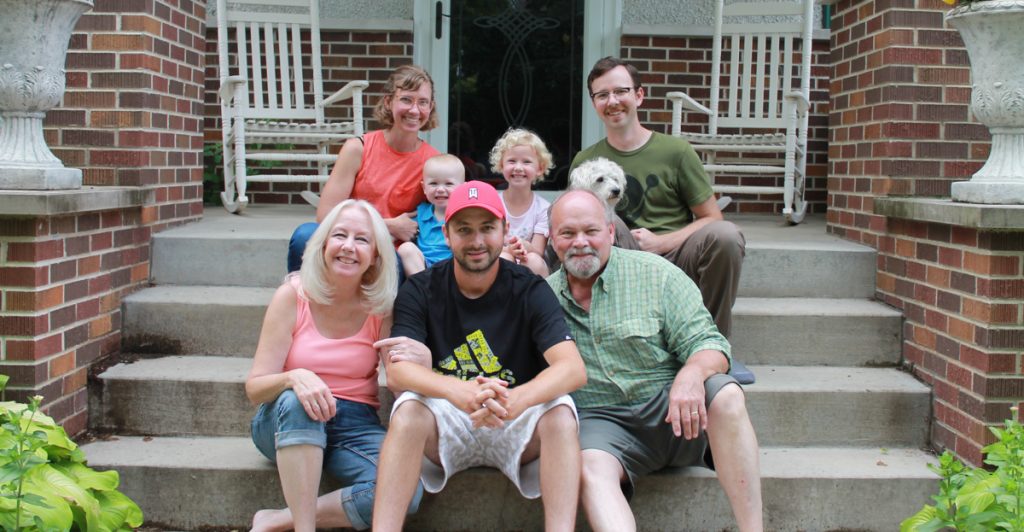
x: 602, y: 177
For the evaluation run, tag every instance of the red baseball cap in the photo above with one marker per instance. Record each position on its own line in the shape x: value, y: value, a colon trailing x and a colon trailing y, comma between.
x: 474, y: 194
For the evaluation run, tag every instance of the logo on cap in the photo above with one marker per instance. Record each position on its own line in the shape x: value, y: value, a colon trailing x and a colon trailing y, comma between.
x: 476, y: 194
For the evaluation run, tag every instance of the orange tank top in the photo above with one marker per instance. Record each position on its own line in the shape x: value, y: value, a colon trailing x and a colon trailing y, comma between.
x: 348, y: 366
x: 389, y: 179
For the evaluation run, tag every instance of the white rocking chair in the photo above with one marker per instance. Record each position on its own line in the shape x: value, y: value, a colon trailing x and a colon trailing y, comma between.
x: 284, y: 108
x: 763, y: 40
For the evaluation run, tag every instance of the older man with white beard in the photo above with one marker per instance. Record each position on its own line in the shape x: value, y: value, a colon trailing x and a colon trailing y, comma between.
x: 657, y: 393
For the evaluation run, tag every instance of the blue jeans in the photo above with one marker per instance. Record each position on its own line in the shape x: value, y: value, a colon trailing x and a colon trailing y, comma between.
x: 297, y: 246
x: 351, y: 442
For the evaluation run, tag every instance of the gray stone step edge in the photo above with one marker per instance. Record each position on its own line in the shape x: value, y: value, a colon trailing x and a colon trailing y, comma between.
x: 226, y: 320
x: 789, y: 405
x: 773, y: 269
x: 187, y: 483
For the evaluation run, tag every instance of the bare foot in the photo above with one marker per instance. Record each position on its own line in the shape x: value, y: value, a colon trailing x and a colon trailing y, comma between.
x: 271, y: 521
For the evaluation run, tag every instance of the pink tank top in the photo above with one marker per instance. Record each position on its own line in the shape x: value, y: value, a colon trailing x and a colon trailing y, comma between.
x: 347, y: 365
x: 388, y: 179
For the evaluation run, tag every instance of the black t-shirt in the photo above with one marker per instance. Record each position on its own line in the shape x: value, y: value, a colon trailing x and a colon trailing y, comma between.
x: 503, y: 333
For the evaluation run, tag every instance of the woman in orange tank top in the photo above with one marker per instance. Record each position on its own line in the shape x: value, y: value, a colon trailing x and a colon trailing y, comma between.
x: 314, y: 374
x: 384, y: 167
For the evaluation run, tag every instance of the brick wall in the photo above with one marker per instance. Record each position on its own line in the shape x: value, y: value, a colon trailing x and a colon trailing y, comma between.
x: 62, y: 280
x: 131, y: 116
x: 961, y: 291
x: 900, y: 123
x: 346, y: 56
x: 684, y: 64
x: 901, y: 128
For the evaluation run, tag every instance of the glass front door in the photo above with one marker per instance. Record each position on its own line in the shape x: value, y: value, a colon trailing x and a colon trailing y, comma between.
x: 515, y: 63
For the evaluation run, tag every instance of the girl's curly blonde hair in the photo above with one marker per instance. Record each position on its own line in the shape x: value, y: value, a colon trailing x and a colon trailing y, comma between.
x: 522, y: 137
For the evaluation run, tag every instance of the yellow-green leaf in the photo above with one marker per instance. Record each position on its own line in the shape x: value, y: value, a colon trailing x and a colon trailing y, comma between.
x: 90, y: 478
x: 118, y: 511
x: 975, y: 501
x: 55, y: 515
x: 914, y: 522
x: 46, y: 479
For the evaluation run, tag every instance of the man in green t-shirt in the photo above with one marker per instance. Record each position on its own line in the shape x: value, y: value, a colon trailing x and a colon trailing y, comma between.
x: 668, y: 206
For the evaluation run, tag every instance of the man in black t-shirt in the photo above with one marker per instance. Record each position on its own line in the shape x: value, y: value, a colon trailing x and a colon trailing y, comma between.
x: 483, y: 351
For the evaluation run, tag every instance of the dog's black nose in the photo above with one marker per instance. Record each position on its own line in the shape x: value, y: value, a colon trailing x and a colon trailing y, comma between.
x: 615, y: 192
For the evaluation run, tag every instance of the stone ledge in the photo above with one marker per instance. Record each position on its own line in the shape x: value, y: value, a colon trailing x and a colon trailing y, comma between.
x: 34, y: 203
x: 944, y: 211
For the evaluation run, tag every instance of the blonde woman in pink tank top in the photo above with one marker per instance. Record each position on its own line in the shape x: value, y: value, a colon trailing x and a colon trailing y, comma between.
x: 383, y: 167
x: 314, y: 374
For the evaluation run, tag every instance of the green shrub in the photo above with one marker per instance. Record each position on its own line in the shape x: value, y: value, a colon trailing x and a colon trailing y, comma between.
x: 213, y: 168
x: 44, y: 482
x: 213, y: 172
x: 976, y: 498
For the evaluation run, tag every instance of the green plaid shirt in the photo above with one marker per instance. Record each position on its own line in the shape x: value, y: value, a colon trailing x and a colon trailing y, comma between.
x: 646, y: 318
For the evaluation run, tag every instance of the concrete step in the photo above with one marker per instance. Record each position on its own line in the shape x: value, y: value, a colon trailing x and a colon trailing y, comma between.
x: 789, y: 405
x: 187, y: 483
x: 816, y: 331
x: 781, y: 261
x: 217, y: 320
x: 802, y: 261
x: 226, y: 320
x: 180, y: 396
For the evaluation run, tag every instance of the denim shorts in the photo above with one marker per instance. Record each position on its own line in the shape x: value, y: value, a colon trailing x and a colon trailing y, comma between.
x: 351, y: 442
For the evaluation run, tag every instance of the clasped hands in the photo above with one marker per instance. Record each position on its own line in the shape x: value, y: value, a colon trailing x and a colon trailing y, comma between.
x: 492, y: 403
x: 487, y: 400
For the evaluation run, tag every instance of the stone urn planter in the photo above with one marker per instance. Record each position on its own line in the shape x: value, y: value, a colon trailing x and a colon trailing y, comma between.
x: 993, y: 32
x: 34, y: 37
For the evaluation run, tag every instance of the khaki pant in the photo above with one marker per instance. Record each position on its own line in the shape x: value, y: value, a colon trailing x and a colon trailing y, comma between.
x: 712, y: 257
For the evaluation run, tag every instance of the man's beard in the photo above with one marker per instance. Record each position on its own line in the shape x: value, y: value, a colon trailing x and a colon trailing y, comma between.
x: 492, y: 257
x: 582, y: 263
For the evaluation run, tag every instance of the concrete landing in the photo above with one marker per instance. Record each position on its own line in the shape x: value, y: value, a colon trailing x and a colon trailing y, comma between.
x: 801, y: 260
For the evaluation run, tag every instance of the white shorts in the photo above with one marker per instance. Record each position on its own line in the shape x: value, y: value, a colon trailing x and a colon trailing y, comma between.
x: 461, y: 446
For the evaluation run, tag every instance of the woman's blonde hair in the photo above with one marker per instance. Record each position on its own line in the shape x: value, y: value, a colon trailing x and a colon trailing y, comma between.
x: 522, y: 137
x: 380, y: 282
x: 409, y: 78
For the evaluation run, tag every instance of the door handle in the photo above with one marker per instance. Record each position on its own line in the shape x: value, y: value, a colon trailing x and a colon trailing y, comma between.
x: 438, y: 15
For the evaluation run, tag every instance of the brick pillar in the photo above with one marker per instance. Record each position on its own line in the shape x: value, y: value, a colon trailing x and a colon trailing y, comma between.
x: 900, y: 122
x: 956, y: 272
x: 132, y: 112
x: 62, y: 277
x: 901, y: 134
x: 131, y: 119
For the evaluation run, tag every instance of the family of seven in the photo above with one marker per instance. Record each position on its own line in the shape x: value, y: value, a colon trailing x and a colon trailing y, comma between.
x: 614, y: 366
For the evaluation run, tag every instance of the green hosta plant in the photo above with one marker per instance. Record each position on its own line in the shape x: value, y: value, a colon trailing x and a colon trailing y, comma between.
x: 44, y: 482
x: 975, y: 498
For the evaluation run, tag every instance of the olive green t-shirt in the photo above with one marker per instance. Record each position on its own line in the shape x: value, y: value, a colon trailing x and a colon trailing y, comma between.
x: 664, y: 178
